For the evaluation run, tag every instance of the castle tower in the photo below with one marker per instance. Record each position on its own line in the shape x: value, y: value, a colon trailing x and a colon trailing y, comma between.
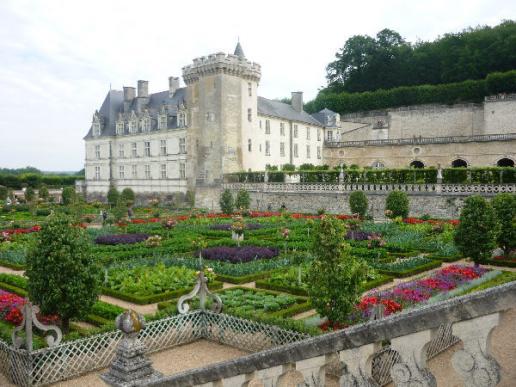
x: 222, y: 103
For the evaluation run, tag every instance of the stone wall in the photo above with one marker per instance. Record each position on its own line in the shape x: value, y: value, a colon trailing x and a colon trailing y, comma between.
x: 420, y: 203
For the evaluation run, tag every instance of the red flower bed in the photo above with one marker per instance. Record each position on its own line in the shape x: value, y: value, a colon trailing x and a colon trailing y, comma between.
x: 453, y: 222
x: 15, y: 231
x: 10, y: 310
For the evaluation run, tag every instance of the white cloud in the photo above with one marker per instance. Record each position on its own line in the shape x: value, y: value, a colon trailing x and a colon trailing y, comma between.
x: 58, y: 58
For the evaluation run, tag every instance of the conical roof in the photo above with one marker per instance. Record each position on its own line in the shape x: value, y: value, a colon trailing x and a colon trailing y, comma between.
x: 239, y: 51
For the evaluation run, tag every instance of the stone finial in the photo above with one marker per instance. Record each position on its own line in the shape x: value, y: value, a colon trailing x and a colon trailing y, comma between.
x: 130, y: 367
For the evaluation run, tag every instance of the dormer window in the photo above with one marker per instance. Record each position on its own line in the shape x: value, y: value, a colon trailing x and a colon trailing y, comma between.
x: 146, y: 124
x: 133, y: 127
x: 120, y: 127
x: 181, y: 119
x: 96, y: 128
x: 163, y: 121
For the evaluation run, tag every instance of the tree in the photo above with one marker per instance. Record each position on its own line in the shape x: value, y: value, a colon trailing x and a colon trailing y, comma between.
x: 43, y: 192
x: 63, y: 276
x: 397, y: 204
x: 504, y: 205
x: 243, y: 200
x: 358, y: 203
x: 226, y: 202
x: 29, y: 194
x: 3, y: 192
x: 112, y: 196
x: 476, y: 233
x: 190, y: 198
x: 334, y: 279
x: 69, y: 196
x: 127, y: 195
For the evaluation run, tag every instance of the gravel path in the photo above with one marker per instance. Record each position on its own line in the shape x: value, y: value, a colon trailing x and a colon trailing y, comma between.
x: 143, y: 309
x: 7, y: 270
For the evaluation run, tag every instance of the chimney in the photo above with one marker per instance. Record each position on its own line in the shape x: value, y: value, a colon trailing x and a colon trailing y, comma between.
x: 143, y: 89
x: 297, y: 101
x: 173, y: 85
x: 129, y: 93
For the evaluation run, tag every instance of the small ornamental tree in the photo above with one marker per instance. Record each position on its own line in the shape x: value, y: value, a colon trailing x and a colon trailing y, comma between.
x: 504, y: 205
x: 63, y: 277
x: 3, y: 192
x: 476, y: 233
x: 43, y: 192
x: 226, y: 202
x: 29, y: 194
x: 128, y: 196
x: 112, y: 196
x: 334, y: 279
x: 397, y: 204
x: 68, y: 195
x: 243, y: 200
x: 358, y: 203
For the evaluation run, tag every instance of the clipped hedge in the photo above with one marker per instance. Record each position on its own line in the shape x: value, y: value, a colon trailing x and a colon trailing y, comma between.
x: 243, y: 279
x: 413, y: 271
x: 450, y: 93
x: 36, y: 180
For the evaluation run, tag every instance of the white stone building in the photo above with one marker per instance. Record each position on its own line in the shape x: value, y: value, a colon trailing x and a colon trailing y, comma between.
x: 178, y: 139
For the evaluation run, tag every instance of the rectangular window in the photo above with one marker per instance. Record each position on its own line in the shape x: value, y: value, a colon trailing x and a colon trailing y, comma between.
x: 163, y: 170
x: 296, y: 154
x: 260, y: 124
x: 121, y: 150
x: 267, y: 148
x: 282, y: 128
x: 307, y: 133
x: 308, y: 151
x: 318, y: 134
x: 182, y: 171
x: 282, y: 149
x: 147, y: 171
x: 97, y: 173
x: 97, y: 152
x: 134, y: 150
x: 147, y: 148
x: 119, y: 128
x: 250, y: 89
x: 182, y: 145
x: 329, y: 135
x: 163, y: 147
x: 249, y: 145
x: 121, y: 172
x: 134, y: 171
x: 163, y: 121
x: 318, y: 152
x: 267, y: 127
x: 295, y: 131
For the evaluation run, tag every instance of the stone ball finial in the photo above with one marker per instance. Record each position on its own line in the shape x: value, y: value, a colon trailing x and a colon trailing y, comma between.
x: 130, y: 322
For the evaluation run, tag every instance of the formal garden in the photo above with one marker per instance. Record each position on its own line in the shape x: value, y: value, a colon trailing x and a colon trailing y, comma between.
x: 85, y: 263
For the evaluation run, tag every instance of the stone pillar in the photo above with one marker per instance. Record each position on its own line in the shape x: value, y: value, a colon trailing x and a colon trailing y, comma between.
x: 475, y: 363
x: 269, y: 376
x: 412, y: 371
x: 130, y: 367
x: 313, y: 370
x: 357, y: 365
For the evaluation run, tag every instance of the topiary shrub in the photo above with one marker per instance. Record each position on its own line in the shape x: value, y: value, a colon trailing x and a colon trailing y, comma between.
x: 397, y: 205
x: 63, y: 277
x: 29, y: 194
x: 334, y: 279
x: 127, y: 195
x: 504, y: 205
x: 3, y: 192
x: 358, y: 203
x: 476, y: 233
x: 43, y: 192
x: 243, y: 200
x: 112, y: 196
x: 226, y: 202
x: 68, y: 196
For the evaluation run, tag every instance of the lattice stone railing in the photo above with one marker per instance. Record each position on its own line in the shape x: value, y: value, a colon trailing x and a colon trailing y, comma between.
x: 415, y: 336
x: 70, y: 359
x: 436, y: 189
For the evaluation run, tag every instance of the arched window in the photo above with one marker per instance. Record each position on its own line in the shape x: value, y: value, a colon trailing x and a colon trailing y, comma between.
x: 505, y: 162
x: 249, y: 145
x: 459, y: 163
x: 417, y: 164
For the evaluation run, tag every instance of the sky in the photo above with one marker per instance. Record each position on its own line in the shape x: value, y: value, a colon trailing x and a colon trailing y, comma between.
x: 59, y: 58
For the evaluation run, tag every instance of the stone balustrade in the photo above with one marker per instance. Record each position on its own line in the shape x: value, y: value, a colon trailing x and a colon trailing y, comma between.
x: 472, y: 319
x: 437, y: 189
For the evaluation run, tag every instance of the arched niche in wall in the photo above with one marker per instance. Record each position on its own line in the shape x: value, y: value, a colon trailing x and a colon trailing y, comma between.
x: 417, y: 164
x: 459, y: 163
x: 505, y: 162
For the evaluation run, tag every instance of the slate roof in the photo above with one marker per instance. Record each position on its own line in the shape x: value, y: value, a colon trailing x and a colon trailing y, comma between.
x: 323, y: 115
x: 114, y: 104
x: 268, y: 107
x: 239, y: 51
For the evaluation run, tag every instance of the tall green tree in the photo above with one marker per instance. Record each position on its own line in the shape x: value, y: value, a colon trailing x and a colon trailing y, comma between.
x: 358, y: 203
x: 243, y: 200
x: 43, y: 192
x: 226, y: 202
x: 476, y: 233
x: 112, y: 196
x: 63, y: 276
x: 334, y: 279
x: 504, y: 205
x: 128, y: 196
x: 69, y: 196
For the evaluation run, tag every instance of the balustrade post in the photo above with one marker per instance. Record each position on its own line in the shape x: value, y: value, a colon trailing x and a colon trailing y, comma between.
x: 269, y: 376
x: 313, y: 370
x: 475, y: 363
x: 357, y: 365
x: 412, y: 371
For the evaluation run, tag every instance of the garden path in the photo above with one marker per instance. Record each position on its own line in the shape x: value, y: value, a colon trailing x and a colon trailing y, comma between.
x: 227, y: 285
x: 7, y: 270
x: 143, y: 309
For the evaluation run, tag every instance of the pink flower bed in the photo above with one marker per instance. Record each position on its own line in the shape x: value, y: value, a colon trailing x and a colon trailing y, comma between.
x: 10, y: 310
